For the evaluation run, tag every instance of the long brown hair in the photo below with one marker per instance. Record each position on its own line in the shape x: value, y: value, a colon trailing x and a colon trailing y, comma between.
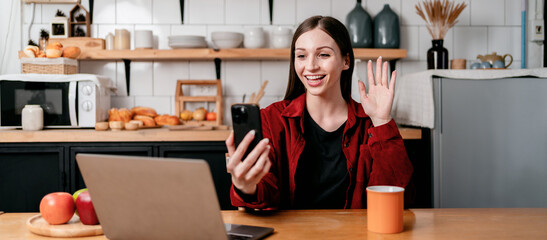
x: 339, y: 33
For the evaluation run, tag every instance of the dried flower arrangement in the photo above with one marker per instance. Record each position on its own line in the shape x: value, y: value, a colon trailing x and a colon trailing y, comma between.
x: 441, y: 16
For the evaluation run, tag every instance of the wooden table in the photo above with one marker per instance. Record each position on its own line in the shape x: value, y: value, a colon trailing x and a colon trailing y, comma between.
x: 478, y: 223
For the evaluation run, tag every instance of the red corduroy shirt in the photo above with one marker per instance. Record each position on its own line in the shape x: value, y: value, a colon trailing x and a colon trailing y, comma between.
x: 375, y: 155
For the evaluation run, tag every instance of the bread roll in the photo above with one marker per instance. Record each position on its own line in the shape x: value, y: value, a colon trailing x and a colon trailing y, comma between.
x: 147, y: 120
x: 122, y: 114
x: 31, y: 51
x: 167, y: 120
x: 125, y: 114
x: 54, y: 50
x: 146, y: 111
x: 71, y: 52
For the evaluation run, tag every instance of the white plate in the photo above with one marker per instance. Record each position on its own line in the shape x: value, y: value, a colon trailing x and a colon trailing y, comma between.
x: 188, y: 45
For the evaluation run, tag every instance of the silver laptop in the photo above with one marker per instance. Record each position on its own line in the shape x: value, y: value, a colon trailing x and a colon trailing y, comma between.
x: 157, y: 198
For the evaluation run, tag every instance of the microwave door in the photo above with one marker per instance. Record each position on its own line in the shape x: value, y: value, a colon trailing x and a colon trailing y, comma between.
x: 52, y: 97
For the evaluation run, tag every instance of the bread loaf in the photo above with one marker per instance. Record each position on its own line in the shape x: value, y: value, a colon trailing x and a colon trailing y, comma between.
x: 122, y: 114
x: 146, y: 111
x: 147, y: 120
x: 167, y: 120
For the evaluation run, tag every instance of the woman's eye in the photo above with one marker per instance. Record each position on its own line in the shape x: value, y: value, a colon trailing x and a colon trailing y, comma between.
x: 324, y: 55
x: 300, y: 56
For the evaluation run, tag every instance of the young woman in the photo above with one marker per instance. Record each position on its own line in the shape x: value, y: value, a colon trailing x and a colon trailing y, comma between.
x: 321, y: 149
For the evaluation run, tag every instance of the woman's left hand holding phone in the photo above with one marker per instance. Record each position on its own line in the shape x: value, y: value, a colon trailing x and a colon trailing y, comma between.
x: 247, y: 173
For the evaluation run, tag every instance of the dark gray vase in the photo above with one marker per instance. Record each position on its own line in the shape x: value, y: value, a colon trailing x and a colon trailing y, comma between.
x: 387, y: 33
x: 359, y: 24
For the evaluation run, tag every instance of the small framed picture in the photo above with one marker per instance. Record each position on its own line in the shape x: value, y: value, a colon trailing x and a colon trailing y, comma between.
x: 59, y: 27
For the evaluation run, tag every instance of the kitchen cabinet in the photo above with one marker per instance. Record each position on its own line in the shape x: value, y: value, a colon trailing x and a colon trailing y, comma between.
x: 214, y: 154
x: 27, y: 173
x: 76, y: 180
x: 489, y: 142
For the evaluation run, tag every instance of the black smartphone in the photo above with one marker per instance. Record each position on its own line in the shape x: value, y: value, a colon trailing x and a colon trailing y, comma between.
x: 246, y: 117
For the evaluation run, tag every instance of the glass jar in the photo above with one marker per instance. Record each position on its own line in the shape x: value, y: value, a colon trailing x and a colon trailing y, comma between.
x: 32, y: 118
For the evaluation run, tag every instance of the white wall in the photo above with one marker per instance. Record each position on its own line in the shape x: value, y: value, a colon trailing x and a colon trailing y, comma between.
x: 484, y: 26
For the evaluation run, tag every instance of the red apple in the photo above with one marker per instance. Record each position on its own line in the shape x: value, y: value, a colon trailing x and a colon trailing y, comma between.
x: 57, y: 208
x: 86, y: 209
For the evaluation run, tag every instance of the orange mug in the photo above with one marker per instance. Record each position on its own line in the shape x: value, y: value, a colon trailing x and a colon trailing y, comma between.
x: 385, y: 209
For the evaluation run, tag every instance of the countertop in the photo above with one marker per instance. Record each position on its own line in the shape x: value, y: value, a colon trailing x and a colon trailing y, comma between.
x: 460, y: 223
x: 141, y: 135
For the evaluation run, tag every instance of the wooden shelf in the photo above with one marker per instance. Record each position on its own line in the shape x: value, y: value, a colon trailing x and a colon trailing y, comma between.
x: 225, y: 54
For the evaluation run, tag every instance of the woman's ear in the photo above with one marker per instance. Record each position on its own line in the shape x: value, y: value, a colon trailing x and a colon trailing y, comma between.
x: 346, y: 62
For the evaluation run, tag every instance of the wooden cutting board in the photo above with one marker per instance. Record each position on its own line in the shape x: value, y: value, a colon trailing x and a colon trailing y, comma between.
x: 84, y: 43
x: 74, y: 228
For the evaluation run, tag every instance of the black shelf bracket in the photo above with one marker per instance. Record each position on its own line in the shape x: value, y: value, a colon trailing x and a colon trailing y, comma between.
x: 90, y: 11
x: 271, y: 11
x: 181, y: 11
x: 217, y: 67
x: 127, y: 65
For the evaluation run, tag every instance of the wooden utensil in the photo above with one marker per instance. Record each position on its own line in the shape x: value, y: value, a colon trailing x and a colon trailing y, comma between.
x: 260, y: 93
x: 74, y: 228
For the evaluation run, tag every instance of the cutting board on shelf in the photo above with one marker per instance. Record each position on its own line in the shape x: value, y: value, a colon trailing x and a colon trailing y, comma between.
x: 84, y: 43
x: 74, y: 228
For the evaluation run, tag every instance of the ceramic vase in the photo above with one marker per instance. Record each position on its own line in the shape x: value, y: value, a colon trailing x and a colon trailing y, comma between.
x: 359, y: 24
x: 386, y: 29
x: 437, y: 56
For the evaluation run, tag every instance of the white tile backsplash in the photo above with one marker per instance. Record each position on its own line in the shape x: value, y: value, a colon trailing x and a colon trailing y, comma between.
x: 104, y: 12
x: 242, y: 77
x: 166, y: 12
x: 277, y: 74
x: 504, y: 40
x: 206, y: 11
x: 484, y: 26
x: 141, y: 79
x: 410, y: 41
x: 469, y: 41
x: 284, y: 12
x: 234, y: 15
x: 134, y: 11
x: 513, y: 12
x: 308, y: 8
x: 166, y: 75
x: 487, y: 12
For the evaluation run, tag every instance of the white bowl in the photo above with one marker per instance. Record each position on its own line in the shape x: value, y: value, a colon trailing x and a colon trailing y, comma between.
x: 226, y: 39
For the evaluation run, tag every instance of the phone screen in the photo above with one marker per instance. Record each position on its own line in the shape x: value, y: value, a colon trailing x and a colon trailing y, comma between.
x: 246, y: 117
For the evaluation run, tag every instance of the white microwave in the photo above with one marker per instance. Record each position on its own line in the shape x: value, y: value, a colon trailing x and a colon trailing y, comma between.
x: 68, y: 101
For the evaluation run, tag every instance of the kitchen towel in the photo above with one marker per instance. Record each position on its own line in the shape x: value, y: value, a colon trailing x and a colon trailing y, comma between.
x: 413, y: 103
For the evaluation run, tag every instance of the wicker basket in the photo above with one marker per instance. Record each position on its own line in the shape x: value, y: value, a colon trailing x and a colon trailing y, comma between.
x: 49, y: 65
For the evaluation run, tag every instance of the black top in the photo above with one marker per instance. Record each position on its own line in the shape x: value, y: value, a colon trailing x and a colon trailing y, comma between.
x: 322, y: 178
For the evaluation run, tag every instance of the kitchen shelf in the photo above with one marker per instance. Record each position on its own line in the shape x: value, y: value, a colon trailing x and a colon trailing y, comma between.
x: 224, y: 54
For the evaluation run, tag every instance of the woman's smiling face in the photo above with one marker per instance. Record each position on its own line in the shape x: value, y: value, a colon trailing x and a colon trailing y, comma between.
x: 319, y: 63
